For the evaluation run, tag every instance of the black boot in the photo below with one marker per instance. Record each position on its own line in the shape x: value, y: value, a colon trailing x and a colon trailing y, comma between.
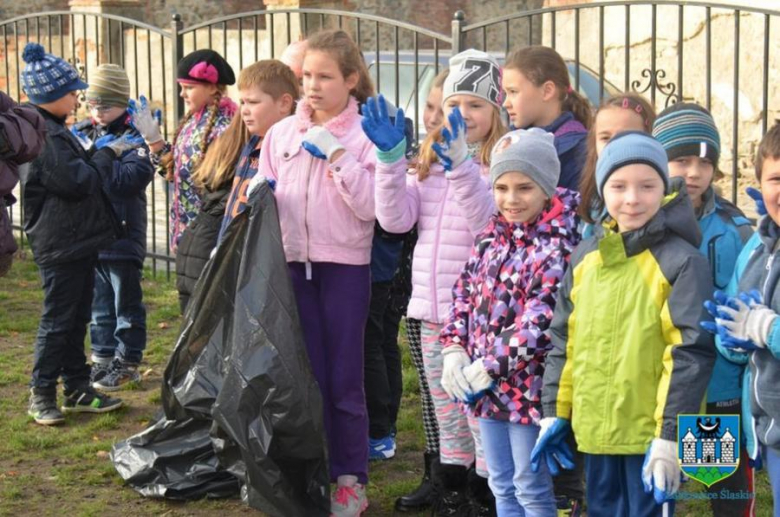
x: 423, y: 496
x: 481, y: 500
x: 450, y: 484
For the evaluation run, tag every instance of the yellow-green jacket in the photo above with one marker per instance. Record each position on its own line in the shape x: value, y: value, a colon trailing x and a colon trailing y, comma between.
x: 628, y: 353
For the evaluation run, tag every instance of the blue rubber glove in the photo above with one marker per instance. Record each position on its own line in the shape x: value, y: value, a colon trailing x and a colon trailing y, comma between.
x: 104, y: 140
x: 742, y: 323
x: 377, y: 125
x: 126, y: 142
x: 755, y: 194
x: 321, y: 143
x: 83, y: 139
x: 552, y: 447
x: 454, y: 150
x: 660, y: 470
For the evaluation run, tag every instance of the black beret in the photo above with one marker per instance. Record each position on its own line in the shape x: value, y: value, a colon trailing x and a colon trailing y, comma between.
x: 205, y: 66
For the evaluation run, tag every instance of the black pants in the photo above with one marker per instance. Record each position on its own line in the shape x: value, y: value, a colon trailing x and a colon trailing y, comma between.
x: 383, y: 375
x: 571, y: 483
x: 59, y: 346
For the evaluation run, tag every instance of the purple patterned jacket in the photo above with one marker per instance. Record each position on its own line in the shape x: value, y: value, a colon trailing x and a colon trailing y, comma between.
x: 504, y: 301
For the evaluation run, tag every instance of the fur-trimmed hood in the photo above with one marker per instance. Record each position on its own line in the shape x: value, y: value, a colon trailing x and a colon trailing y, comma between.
x: 338, y: 125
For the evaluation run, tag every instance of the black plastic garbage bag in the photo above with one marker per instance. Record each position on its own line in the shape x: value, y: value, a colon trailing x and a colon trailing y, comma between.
x: 242, y: 409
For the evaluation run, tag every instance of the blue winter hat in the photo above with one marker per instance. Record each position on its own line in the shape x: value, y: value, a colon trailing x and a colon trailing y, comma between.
x: 687, y: 129
x: 46, y: 77
x: 628, y: 148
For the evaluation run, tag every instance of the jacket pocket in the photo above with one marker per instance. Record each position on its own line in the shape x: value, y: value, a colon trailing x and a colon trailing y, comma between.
x: 290, y: 161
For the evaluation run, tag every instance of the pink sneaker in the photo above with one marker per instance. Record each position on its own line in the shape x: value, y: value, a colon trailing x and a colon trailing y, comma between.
x: 348, y: 501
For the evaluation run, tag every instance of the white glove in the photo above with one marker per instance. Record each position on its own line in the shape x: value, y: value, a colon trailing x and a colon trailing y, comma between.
x: 321, y: 143
x: 144, y: 121
x: 126, y: 142
x: 751, y: 319
x: 452, y: 379
x: 478, y: 378
x: 661, y: 471
x: 256, y: 181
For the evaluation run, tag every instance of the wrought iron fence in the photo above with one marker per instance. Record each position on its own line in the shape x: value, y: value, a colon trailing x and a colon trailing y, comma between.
x: 717, y: 55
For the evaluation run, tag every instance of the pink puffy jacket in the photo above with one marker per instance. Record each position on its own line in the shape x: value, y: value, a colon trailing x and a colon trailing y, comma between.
x: 326, y: 211
x: 449, y: 214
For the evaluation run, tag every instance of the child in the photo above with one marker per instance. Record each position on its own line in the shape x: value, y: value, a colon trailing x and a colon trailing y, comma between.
x: 118, y: 327
x: 22, y: 135
x: 68, y: 219
x: 324, y: 168
x: 746, y: 326
x: 449, y: 209
x: 628, y: 355
x: 539, y: 94
x: 691, y: 140
x: 503, y: 304
x: 203, y: 77
x: 423, y: 496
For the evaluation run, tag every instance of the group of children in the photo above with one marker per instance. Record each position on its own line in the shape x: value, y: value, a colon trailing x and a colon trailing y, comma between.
x: 557, y: 316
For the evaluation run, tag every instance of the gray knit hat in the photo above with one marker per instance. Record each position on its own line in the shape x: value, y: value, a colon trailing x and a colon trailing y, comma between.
x: 530, y: 151
x: 628, y: 148
x: 473, y: 72
x: 109, y: 86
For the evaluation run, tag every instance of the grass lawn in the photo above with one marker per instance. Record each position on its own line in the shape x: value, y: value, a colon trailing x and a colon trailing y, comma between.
x: 65, y: 470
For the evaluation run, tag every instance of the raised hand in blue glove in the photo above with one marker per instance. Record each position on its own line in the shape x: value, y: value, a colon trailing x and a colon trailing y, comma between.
x: 321, y: 143
x: 660, y: 470
x: 142, y: 119
x: 377, y: 125
x: 551, y: 446
x: 104, y: 140
x: 756, y: 195
x: 454, y: 150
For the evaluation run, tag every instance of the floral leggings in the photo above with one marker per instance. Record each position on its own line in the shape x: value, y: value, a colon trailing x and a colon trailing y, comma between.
x: 459, y: 438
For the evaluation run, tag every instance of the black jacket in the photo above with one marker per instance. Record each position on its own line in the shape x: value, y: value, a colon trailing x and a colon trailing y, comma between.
x: 67, y: 215
x: 197, y: 241
x: 126, y: 188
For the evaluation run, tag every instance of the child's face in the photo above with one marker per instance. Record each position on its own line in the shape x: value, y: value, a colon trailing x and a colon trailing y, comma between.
x: 527, y: 104
x: 518, y: 197
x: 477, y: 113
x: 697, y: 173
x: 325, y: 88
x: 633, y: 195
x: 611, y: 121
x: 260, y: 110
x: 770, y: 187
x: 433, y: 115
x: 105, y: 115
x: 196, y: 95
x: 63, y: 106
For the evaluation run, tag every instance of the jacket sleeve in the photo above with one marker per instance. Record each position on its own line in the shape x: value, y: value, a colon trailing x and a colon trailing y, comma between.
x: 473, y: 195
x: 131, y: 175
x: 355, y: 181
x: 22, y: 131
x: 69, y: 175
x: 455, y: 331
x: 397, y: 197
x: 267, y: 165
x: 557, y: 383
x: 689, y: 354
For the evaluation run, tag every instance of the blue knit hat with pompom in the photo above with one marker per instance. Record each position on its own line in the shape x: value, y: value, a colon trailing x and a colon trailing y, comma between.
x: 46, y: 77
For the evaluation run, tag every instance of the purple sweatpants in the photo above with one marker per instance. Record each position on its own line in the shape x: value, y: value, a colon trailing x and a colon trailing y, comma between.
x: 333, y: 307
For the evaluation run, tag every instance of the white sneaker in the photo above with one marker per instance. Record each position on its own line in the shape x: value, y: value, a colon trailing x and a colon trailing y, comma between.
x: 348, y: 501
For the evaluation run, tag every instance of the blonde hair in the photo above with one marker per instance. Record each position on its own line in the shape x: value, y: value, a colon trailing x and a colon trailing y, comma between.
x: 343, y: 49
x: 428, y: 156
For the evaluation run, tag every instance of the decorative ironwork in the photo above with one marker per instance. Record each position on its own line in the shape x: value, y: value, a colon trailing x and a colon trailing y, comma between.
x: 655, y: 80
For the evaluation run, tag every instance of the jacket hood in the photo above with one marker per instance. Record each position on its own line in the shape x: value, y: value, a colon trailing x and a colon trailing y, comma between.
x: 338, y: 125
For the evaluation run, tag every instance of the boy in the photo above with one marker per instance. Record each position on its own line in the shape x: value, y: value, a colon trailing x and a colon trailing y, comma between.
x: 67, y: 220
x: 118, y: 327
x: 691, y: 140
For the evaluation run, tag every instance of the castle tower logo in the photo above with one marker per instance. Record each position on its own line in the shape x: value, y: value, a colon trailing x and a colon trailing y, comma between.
x: 708, y: 446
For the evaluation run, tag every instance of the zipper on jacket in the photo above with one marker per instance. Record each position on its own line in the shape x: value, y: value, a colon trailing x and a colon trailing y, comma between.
x: 434, y: 292
x: 306, y: 216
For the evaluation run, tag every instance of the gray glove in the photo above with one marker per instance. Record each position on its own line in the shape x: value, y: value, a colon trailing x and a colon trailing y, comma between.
x: 126, y: 142
x: 144, y: 121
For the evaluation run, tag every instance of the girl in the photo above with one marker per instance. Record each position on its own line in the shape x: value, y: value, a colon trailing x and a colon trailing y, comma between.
x: 539, y: 94
x: 628, y: 355
x: 504, y: 301
x: 423, y: 496
x: 450, y: 202
x: 692, y: 143
x: 203, y: 77
x: 324, y: 168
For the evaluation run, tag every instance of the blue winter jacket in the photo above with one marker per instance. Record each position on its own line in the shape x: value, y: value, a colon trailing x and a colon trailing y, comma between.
x: 571, y: 146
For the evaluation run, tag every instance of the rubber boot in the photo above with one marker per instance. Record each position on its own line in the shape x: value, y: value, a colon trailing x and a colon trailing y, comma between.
x: 481, y: 500
x: 424, y: 496
x: 450, y: 484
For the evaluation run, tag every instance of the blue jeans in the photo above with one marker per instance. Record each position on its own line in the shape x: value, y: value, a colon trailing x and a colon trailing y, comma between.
x: 118, y: 327
x: 518, y: 491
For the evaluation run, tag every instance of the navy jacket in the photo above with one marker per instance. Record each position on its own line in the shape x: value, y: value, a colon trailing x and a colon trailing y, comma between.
x: 571, y: 145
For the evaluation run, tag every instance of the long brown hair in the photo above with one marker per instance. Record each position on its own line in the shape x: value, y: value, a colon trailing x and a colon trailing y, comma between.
x: 343, y: 49
x: 540, y: 64
x: 428, y: 156
x: 591, y: 202
x: 219, y: 163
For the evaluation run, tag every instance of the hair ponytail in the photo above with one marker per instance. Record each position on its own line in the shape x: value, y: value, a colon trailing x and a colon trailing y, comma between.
x: 579, y: 107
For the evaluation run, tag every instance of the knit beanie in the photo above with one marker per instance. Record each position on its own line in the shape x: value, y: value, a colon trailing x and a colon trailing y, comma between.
x: 109, y: 86
x: 204, y: 67
x: 531, y: 152
x: 46, y: 77
x: 473, y: 72
x: 628, y: 148
x: 687, y: 129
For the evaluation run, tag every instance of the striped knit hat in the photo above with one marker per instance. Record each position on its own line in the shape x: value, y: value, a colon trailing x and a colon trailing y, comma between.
x: 46, y: 77
x: 687, y: 129
x: 109, y: 86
